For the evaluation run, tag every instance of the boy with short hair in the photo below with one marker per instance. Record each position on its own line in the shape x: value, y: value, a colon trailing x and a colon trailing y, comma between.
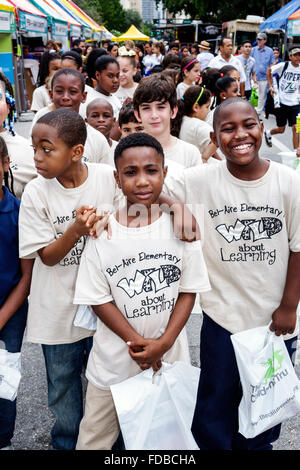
x: 100, y: 115
x: 248, y: 64
x: 128, y: 123
x: 289, y: 97
x: 57, y: 214
x: 252, y: 249
x: 155, y: 104
x: 141, y: 290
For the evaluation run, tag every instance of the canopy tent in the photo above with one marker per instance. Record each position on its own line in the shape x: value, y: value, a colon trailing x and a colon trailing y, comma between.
x: 87, y: 26
x: 293, y: 27
x: 59, y: 26
x: 31, y: 18
x: 7, y: 27
x: 74, y: 25
x: 83, y: 25
x: 7, y: 17
x: 93, y: 23
x: 132, y: 33
x: 6, y: 6
x: 279, y: 19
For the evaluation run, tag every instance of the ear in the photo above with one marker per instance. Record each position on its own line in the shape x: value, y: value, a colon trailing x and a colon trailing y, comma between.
x: 165, y: 171
x: 97, y: 75
x: 77, y: 152
x: 214, y: 139
x: 195, y: 107
x: 174, y: 112
x: 50, y: 94
x: 84, y: 95
x: 262, y: 127
x: 116, y: 175
x: 137, y: 115
x: 6, y: 164
x: 80, y: 69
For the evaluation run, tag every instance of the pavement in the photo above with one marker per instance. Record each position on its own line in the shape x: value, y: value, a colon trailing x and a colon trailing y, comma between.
x: 34, y: 420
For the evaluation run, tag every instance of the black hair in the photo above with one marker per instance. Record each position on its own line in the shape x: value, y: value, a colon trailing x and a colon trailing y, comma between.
x: 90, y: 61
x: 66, y: 71
x: 246, y: 42
x: 155, y: 87
x: 171, y: 59
x: 72, y: 55
x: 78, y: 50
x: 226, y: 69
x: 77, y: 42
x: 227, y: 102
x: 195, y: 46
x: 174, y: 44
x: 70, y: 126
x: 47, y: 57
x: 140, y: 46
x: 104, y: 101
x: 126, y: 114
x: 12, y: 114
x: 8, y: 175
x: 185, y: 105
x: 186, y: 64
x: 138, y: 139
x: 111, y: 45
x: 103, y: 61
x: 221, y: 43
x: 223, y: 84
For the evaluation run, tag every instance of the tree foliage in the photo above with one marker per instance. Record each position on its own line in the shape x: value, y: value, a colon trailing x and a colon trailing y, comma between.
x: 220, y: 10
x: 110, y: 13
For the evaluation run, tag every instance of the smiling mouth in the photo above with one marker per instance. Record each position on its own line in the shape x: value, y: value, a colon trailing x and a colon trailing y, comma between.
x: 242, y: 148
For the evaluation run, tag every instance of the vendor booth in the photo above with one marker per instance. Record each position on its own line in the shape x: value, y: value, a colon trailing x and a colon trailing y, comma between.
x: 293, y: 27
x: 57, y: 26
x: 7, y: 28
x: 132, y: 33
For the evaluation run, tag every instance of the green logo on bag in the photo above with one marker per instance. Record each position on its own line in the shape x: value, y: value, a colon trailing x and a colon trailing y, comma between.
x: 273, y: 365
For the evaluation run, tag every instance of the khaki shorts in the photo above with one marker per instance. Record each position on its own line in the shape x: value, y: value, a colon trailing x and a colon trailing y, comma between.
x: 99, y: 427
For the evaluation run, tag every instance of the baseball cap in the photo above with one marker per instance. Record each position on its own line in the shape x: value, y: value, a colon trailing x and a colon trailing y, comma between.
x: 294, y: 50
x: 261, y: 36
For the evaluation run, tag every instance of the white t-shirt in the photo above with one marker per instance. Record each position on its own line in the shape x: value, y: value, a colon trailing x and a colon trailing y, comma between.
x: 181, y: 89
x: 96, y: 148
x: 47, y: 210
x: 196, y: 132
x: 92, y: 94
x: 218, y: 62
x: 111, y: 157
x: 123, y: 93
x: 21, y: 161
x: 204, y: 58
x: 40, y: 98
x: 149, y: 62
x: 114, y: 101
x: 289, y: 83
x: 249, y: 67
x: 249, y: 229
x: 142, y: 270
x: 184, y: 153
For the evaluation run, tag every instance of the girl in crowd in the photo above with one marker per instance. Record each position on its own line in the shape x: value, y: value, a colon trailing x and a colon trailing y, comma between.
x: 108, y: 81
x: 190, y: 74
x: 189, y: 124
x: 113, y: 49
x: 22, y: 168
x: 184, y: 51
x: 50, y: 63
x: 195, y: 50
x: 128, y: 70
x: 15, y: 275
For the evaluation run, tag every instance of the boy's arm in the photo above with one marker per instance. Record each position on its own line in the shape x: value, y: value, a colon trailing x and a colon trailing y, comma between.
x: 154, y: 349
x: 19, y: 293
x: 57, y: 250
x: 285, y: 316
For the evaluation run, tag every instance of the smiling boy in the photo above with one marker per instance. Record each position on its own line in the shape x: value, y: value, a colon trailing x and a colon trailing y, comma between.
x: 141, y: 284
x: 251, y: 245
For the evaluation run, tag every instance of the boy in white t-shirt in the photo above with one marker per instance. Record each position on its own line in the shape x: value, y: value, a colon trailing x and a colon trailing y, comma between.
x: 251, y: 245
x: 289, y: 97
x: 155, y: 104
x: 141, y: 284
x: 56, y: 216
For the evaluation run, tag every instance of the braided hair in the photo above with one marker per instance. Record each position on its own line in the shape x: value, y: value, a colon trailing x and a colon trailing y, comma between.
x: 7, y: 89
x: 8, y: 176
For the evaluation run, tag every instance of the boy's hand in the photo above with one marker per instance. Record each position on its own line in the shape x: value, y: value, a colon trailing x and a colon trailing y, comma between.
x: 283, y: 321
x: 85, y: 218
x: 100, y: 225
x: 147, y: 352
x: 185, y: 225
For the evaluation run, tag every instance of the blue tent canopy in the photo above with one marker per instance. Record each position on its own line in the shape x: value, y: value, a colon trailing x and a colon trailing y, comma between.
x: 279, y: 19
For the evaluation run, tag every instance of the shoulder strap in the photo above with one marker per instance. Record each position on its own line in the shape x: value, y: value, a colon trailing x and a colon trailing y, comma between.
x: 286, y: 64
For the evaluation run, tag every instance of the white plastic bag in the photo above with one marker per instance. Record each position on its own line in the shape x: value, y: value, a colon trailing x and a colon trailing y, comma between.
x: 10, y: 374
x: 290, y: 159
x: 271, y: 389
x: 85, y: 318
x: 155, y: 410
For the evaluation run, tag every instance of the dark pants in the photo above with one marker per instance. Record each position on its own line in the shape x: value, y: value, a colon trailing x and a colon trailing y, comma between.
x: 64, y: 364
x: 215, y: 422
x: 11, y: 337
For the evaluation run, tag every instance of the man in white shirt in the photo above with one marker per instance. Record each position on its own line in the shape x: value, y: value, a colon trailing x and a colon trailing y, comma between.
x: 205, y: 56
x: 288, y: 91
x: 226, y: 58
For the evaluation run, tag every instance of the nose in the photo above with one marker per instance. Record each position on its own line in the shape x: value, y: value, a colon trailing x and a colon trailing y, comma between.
x: 37, y: 157
x: 241, y: 133
x: 142, y: 180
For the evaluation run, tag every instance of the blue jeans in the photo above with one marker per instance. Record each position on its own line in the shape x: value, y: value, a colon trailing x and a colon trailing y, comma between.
x: 215, y: 422
x: 64, y: 364
x: 11, y: 337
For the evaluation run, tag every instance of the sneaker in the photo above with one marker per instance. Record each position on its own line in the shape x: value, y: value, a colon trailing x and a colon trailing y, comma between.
x: 268, y: 139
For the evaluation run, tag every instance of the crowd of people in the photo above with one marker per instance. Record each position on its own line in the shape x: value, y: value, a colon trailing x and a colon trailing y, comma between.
x: 135, y: 153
